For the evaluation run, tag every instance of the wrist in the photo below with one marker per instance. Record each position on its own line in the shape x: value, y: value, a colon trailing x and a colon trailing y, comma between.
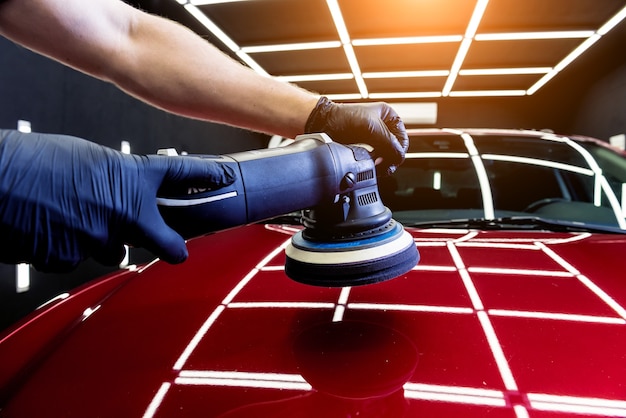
x: 316, y: 120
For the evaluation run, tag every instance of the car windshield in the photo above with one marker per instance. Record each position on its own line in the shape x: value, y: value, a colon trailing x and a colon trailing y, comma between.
x: 452, y: 175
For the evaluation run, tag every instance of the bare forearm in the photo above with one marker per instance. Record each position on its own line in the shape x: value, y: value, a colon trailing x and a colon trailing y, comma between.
x: 198, y: 80
x: 156, y: 60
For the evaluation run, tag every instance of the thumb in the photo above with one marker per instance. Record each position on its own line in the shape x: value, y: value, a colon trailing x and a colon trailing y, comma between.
x: 193, y: 171
x: 161, y: 240
x: 167, y: 172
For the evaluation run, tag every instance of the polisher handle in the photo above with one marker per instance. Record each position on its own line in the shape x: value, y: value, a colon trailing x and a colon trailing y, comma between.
x: 269, y: 182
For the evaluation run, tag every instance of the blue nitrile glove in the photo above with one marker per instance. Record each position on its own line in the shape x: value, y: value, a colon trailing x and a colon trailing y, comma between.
x: 64, y: 199
x: 376, y: 124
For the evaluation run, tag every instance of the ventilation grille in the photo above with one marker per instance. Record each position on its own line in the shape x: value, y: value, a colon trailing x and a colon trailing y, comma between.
x: 367, y: 199
x: 365, y: 175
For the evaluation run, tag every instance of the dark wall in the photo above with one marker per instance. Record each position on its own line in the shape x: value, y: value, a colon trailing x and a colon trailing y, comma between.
x: 602, y: 112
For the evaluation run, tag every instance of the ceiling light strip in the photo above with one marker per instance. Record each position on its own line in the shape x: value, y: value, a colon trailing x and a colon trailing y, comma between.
x: 612, y: 22
x: 437, y: 94
x: 407, y: 74
x: 407, y: 40
x: 225, y: 39
x: 577, y: 52
x: 472, y: 27
x: 456, y: 66
x: 487, y: 93
x: 344, y: 96
x: 604, y: 29
x: 525, y: 36
x: 356, y: 70
x: 477, y: 16
x: 505, y: 71
x: 406, y: 95
x: 564, y: 63
x: 212, y: 27
x: 340, y: 24
x: 344, y: 37
x: 315, y: 77
x: 291, y: 47
x: 252, y: 63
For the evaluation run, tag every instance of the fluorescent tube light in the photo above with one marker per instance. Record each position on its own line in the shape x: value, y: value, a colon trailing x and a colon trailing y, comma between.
x: 513, y: 36
x: 477, y: 16
x: 564, y: 63
x: 405, y: 95
x: 577, y: 52
x: 407, y: 40
x: 458, y: 62
x: 290, y: 47
x: 212, y: 27
x: 407, y: 74
x: 252, y: 63
x: 344, y: 96
x: 314, y: 77
x: 506, y: 71
x: 340, y: 24
x: 614, y: 21
x: 487, y: 93
x: 356, y: 70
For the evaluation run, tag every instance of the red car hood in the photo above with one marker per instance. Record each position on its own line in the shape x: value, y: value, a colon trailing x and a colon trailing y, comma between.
x: 505, y: 324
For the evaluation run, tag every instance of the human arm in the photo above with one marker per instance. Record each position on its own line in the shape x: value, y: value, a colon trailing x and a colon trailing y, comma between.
x: 168, y: 66
x: 64, y: 199
x: 156, y: 60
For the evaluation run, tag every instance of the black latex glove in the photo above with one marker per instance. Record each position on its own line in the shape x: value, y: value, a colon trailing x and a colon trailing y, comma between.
x: 376, y: 124
x: 63, y: 199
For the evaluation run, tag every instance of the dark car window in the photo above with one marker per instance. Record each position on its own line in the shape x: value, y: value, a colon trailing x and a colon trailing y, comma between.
x: 613, y: 167
x: 491, y: 176
x: 432, y: 183
x: 438, y: 143
x: 515, y: 186
x: 530, y: 148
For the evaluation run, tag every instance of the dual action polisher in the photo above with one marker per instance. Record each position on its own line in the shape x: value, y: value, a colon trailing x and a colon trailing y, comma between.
x: 349, y: 236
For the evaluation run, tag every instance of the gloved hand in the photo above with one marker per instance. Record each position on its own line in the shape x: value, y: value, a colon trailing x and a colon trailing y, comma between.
x: 64, y: 199
x: 376, y: 124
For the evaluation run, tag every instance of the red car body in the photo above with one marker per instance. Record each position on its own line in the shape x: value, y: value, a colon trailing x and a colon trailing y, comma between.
x: 498, y: 323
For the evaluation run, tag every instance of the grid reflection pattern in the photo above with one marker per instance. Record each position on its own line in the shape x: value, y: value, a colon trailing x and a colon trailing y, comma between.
x: 520, y: 358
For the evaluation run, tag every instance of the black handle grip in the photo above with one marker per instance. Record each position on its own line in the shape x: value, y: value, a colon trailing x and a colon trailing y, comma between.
x: 270, y: 182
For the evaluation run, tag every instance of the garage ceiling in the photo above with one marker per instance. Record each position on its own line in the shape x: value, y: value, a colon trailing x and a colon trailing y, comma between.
x: 409, y: 49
